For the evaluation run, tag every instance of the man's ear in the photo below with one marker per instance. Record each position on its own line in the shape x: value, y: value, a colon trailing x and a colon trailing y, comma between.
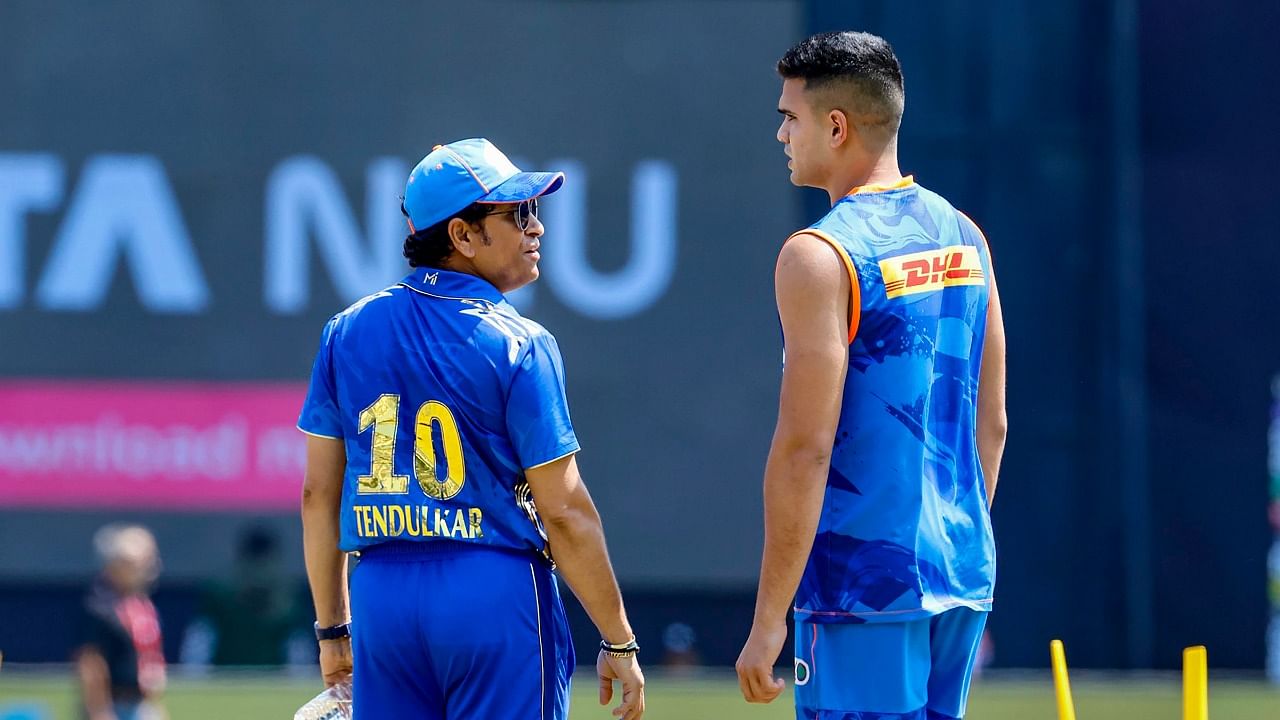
x: 842, y: 129
x: 459, y: 235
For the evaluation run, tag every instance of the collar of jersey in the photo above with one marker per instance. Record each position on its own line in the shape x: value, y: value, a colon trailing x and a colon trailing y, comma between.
x: 906, y: 182
x: 448, y: 284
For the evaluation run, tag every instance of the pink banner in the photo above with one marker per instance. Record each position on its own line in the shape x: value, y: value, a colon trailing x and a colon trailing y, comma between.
x: 155, y: 445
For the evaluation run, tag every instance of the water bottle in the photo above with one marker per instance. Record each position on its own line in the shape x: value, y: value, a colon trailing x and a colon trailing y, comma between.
x: 332, y: 704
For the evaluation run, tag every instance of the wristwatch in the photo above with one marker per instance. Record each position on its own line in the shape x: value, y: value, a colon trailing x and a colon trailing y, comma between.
x: 336, y: 632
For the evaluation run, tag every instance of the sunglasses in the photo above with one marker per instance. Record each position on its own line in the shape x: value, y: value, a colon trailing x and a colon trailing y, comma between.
x: 524, y: 213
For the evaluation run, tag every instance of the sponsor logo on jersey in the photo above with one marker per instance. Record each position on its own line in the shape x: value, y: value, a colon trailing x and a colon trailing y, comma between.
x: 931, y: 270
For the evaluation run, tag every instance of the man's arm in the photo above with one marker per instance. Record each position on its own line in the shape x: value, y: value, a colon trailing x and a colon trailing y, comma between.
x: 326, y: 564
x: 992, y: 422
x: 576, y: 536
x: 95, y: 683
x: 813, y: 291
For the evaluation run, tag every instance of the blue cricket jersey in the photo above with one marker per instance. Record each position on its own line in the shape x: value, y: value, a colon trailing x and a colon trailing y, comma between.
x: 442, y: 395
x: 905, y: 532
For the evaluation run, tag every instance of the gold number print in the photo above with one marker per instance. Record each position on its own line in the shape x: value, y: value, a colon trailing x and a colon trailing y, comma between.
x: 383, y: 415
x: 424, y: 452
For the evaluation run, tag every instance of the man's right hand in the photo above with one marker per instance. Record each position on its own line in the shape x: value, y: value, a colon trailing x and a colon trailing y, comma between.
x: 626, y: 670
x: 335, y: 660
x: 755, y: 663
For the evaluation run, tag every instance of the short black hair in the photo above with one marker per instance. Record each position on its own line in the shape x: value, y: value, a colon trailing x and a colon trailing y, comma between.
x: 859, y: 66
x: 431, y: 246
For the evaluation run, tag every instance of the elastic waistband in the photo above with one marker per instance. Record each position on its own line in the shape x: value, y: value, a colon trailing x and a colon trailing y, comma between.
x: 409, y: 550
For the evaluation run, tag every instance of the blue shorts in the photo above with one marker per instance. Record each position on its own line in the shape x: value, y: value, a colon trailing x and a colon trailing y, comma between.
x: 917, y: 670
x: 138, y: 710
x: 445, y: 630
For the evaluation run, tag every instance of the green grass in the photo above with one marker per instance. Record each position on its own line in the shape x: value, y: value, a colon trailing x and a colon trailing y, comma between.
x: 670, y: 698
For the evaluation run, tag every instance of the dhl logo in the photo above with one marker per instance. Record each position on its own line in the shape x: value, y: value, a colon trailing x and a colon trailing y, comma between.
x: 931, y: 270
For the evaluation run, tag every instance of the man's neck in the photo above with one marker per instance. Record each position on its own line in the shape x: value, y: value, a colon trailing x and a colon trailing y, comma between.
x: 459, y: 264
x: 884, y: 171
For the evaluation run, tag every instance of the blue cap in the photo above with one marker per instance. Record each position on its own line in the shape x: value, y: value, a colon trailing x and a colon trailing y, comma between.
x: 453, y: 176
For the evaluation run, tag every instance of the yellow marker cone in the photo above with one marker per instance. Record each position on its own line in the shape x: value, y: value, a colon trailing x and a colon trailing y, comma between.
x: 1061, y: 685
x: 1195, y: 683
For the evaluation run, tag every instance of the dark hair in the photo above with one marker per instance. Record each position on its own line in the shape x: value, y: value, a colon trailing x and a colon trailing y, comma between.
x: 861, y: 66
x: 431, y: 246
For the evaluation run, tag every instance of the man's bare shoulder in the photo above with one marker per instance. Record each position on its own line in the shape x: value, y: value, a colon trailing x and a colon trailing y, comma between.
x: 809, y: 263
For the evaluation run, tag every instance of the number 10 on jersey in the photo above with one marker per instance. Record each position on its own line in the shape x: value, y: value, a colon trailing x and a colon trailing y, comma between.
x: 384, y: 417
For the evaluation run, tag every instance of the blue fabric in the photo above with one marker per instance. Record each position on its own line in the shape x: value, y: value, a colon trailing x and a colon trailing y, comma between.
x: 128, y: 710
x: 904, y: 532
x: 453, y: 340
x: 916, y: 670
x: 453, y: 176
x: 456, y: 633
x: 139, y: 710
x: 524, y: 186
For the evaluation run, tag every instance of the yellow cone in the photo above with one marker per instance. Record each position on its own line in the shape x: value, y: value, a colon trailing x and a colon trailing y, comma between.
x: 1061, y: 685
x: 1195, y: 683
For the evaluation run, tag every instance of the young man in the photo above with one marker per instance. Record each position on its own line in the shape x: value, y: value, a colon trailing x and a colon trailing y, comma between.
x: 440, y: 448
x: 891, y: 414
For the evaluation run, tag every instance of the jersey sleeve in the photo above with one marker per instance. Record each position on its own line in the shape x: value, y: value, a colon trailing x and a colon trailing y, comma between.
x: 320, y: 414
x: 537, y: 410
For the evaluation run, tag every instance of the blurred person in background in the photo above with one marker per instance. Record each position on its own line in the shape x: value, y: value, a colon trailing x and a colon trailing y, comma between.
x: 1272, y: 663
x: 120, y: 659
x: 680, y: 654
x: 440, y: 448
x: 891, y: 420
x: 255, y: 619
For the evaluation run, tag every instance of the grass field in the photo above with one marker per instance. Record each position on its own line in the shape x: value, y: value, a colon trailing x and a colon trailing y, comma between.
x: 707, y: 698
